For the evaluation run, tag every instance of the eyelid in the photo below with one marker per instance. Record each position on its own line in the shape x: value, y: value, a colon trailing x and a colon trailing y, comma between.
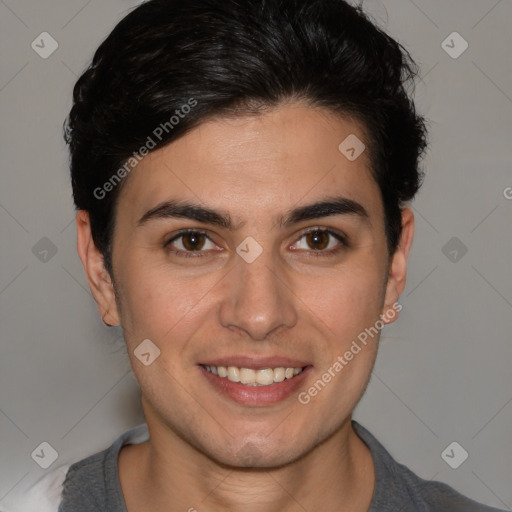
x: 183, y: 232
x: 341, y: 237
x: 338, y: 235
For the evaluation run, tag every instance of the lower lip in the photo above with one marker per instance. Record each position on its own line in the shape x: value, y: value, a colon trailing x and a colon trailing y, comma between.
x: 256, y: 395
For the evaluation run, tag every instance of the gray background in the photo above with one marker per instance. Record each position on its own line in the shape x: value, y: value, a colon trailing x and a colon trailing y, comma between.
x: 443, y: 373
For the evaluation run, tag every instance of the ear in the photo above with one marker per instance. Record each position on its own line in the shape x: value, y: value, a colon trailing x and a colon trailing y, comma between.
x: 397, y: 272
x: 98, y: 277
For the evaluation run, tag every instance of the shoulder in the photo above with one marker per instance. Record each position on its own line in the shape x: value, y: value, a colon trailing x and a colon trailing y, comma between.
x: 435, y: 496
x: 84, y: 482
x: 87, y: 484
x: 398, y: 488
x: 93, y: 483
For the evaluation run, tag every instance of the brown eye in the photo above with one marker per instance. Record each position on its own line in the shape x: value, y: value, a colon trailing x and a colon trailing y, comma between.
x: 190, y: 243
x: 318, y: 239
x: 321, y: 242
x: 193, y: 241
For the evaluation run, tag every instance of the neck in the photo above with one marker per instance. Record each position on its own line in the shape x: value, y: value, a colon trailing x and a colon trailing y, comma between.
x: 169, y: 474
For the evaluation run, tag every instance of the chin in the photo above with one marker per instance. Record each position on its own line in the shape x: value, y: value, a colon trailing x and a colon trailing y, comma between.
x: 247, y: 454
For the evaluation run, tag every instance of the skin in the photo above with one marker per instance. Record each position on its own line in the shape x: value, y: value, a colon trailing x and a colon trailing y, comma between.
x: 207, y: 452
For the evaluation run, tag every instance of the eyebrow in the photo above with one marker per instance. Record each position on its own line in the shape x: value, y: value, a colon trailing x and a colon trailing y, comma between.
x: 184, y: 209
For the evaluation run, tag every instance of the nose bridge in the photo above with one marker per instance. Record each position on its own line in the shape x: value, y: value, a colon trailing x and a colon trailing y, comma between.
x: 258, y: 300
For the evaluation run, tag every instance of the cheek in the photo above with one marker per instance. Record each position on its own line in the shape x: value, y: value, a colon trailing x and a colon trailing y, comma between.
x: 162, y: 304
x: 350, y: 308
x: 346, y: 301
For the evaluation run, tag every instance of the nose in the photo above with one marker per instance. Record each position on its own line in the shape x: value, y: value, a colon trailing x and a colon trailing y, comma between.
x: 257, y: 299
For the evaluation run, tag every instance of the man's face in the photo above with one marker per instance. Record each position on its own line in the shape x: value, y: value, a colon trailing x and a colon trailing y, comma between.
x: 301, y: 302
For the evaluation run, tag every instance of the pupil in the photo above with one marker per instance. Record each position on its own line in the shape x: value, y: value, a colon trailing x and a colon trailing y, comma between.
x: 316, y: 238
x: 194, y: 238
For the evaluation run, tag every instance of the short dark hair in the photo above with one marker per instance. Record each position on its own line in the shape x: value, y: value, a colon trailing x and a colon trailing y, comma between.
x: 234, y: 57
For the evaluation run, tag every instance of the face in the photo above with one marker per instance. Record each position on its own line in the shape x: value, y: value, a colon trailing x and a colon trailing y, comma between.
x: 260, y: 280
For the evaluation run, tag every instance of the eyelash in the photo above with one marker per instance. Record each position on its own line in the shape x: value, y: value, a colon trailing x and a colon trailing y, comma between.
x: 314, y: 253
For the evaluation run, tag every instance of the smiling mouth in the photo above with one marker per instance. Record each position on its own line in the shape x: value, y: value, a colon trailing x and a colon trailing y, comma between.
x: 251, y: 377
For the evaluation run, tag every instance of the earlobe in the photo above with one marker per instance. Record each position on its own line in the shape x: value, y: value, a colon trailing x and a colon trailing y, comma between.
x: 98, y: 277
x: 397, y: 273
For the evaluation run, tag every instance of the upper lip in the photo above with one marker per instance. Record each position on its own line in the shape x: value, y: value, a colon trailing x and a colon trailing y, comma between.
x: 256, y: 363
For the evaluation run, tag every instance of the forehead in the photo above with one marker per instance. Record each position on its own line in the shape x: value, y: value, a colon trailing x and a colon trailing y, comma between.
x: 257, y: 164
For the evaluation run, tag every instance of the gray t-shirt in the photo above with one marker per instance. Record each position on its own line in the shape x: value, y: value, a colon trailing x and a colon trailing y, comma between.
x: 92, y: 484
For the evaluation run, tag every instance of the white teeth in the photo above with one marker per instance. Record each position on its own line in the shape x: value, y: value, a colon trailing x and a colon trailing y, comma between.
x: 247, y: 376
x: 251, y: 377
x: 265, y: 376
x: 233, y: 374
x: 279, y: 374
